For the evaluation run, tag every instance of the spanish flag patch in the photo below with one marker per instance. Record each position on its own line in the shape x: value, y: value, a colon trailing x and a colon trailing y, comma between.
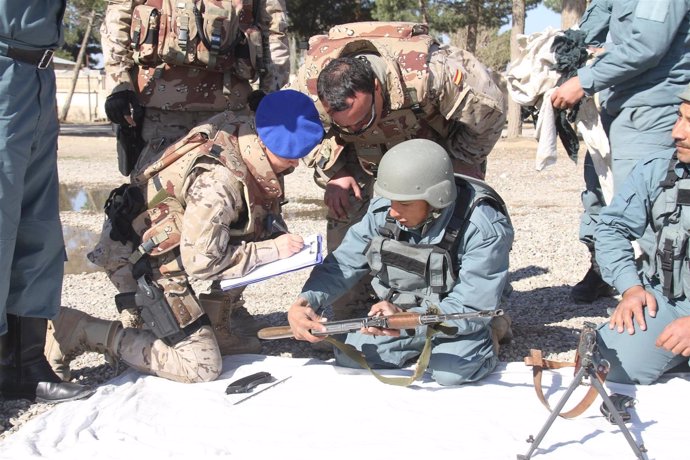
x: 457, y: 79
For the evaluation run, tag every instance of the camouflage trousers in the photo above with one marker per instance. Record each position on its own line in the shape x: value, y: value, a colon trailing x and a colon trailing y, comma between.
x: 194, y: 359
x: 113, y: 257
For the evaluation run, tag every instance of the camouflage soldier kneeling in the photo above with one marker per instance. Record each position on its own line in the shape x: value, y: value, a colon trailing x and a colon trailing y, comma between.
x: 204, y: 210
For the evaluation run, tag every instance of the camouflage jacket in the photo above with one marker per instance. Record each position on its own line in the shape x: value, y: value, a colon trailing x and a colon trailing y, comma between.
x: 155, y: 48
x: 431, y: 91
x: 209, y: 198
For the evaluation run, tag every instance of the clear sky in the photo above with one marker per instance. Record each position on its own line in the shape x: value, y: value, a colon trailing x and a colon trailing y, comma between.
x: 540, y: 18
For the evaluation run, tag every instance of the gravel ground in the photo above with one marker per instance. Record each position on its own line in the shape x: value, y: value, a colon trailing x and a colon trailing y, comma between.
x: 546, y: 259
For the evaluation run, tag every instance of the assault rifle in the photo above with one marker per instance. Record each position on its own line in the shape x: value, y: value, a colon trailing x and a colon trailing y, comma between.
x: 405, y: 320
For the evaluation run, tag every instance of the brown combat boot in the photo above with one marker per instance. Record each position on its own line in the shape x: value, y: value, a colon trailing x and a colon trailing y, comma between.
x: 74, y: 332
x: 219, y: 309
x: 501, y: 332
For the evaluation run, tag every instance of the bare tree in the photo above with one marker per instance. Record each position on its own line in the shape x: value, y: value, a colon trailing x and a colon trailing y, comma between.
x: 77, y: 67
x: 514, y: 119
x: 423, y: 12
x: 472, y: 28
x: 572, y: 12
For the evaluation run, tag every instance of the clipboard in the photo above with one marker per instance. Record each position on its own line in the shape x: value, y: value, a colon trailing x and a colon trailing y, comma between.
x: 309, y: 256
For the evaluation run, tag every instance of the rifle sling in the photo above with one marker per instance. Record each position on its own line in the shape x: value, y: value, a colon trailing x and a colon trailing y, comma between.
x: 422, y: 362
x: 538, y: 363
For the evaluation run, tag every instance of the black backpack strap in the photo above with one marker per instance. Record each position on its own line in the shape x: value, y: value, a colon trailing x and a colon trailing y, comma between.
x: 467, y: 200
x: 389, y: 229
x: 669, y: 181
x: 458, y: 223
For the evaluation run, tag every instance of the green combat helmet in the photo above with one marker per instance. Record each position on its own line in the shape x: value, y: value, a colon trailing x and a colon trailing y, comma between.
x: 418, y: 169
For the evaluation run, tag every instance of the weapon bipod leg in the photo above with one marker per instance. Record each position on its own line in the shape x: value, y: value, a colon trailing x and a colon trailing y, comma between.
x: 588, y: 369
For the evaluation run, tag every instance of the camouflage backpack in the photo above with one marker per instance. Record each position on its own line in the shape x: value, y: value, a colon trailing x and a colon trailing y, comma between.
x: 404, y: 45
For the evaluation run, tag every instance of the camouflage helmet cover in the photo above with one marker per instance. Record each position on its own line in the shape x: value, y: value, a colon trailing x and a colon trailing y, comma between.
x: 417, y: 169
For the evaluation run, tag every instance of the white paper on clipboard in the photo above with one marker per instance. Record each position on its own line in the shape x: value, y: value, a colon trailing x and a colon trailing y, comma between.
x: 309, y: 255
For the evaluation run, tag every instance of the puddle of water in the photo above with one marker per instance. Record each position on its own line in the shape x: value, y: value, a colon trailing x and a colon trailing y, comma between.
x: 78, y: 242
x: 79, y: 198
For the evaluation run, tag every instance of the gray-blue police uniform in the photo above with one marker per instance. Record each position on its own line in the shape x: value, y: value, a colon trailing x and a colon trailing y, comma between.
x: 645, y: 66
x: 650, y: 196
x: 31, y: 244
x: 482, y: 252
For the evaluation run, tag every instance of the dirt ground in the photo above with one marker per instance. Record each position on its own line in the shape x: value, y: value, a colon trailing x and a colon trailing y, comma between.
x: 546, y: 259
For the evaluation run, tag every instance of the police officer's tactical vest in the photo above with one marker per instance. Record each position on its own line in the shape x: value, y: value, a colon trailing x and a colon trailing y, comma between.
x: 227, y: 139
x: 412, y: 275
x: 406, y: 48
x: 671, y: 217
x: 195, y: 41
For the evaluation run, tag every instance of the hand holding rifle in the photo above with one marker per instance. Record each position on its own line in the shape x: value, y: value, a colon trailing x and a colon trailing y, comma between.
x: 384, y: 318
x: 304, y: 321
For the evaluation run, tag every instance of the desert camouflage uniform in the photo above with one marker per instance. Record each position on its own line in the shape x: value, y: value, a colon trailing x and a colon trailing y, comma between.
x: 209, y: 198
x: 179, y: 97
x: 435, y: 92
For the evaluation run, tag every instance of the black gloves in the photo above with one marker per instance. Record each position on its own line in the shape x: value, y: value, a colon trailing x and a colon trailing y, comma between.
x: 123, y: 103
x: 254, y: 98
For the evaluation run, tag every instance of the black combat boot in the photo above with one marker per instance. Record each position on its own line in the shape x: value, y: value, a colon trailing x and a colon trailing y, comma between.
x: 24, y: 369
x: 591, y: 287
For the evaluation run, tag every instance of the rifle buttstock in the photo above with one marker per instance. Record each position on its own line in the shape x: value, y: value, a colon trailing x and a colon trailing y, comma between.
x: 274, y: 333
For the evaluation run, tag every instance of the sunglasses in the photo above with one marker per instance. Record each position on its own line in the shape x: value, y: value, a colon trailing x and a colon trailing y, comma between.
x: 348, y: 131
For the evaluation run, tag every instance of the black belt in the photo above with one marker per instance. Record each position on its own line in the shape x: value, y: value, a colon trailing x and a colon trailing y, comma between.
x: 39, y: 58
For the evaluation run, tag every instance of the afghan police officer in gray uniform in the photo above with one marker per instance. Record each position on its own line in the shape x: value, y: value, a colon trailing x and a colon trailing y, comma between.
x: 425, y: 217
x: 31, y: 245
x: 649, y: 332
x: 644, y: 65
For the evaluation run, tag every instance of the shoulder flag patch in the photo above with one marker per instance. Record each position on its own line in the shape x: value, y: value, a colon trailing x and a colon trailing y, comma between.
x: 457, y: 79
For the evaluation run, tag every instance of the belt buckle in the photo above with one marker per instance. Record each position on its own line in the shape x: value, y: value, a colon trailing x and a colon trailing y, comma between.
x: 46, y: 59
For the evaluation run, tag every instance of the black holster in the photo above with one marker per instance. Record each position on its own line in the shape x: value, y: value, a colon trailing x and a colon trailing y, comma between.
x: 155, y: 310
x: 129, y: 146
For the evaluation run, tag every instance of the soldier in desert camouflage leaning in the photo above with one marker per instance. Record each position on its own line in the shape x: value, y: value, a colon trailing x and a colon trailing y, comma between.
x: 205, y: 210
x: 379, y: 84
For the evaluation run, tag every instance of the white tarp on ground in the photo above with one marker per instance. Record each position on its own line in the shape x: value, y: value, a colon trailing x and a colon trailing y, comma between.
x: 323, y: 411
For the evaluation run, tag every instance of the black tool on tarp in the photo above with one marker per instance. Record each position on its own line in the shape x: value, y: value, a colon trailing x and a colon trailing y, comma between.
x: 248, y: 383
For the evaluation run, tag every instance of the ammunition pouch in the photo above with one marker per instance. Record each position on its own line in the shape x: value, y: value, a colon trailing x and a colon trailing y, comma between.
x: 206, y: 36
x: 157, y: 313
